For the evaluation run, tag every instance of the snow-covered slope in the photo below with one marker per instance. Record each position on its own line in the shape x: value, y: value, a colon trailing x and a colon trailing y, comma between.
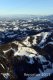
x: 26, y: 54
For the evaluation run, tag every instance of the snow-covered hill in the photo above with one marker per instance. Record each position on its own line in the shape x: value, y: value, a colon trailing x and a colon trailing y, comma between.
x: 26, y: 53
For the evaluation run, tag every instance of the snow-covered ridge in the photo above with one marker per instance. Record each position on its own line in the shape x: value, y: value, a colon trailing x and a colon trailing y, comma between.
x: 26, y: 50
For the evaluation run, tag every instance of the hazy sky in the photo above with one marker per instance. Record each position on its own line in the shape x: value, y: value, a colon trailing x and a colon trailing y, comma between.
x: 37, y: 7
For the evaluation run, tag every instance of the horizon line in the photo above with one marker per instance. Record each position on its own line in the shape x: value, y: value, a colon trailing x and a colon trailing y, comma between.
x: 25, y: 15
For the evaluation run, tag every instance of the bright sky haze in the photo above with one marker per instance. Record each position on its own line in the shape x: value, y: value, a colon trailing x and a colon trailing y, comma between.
x: 34, y: 7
